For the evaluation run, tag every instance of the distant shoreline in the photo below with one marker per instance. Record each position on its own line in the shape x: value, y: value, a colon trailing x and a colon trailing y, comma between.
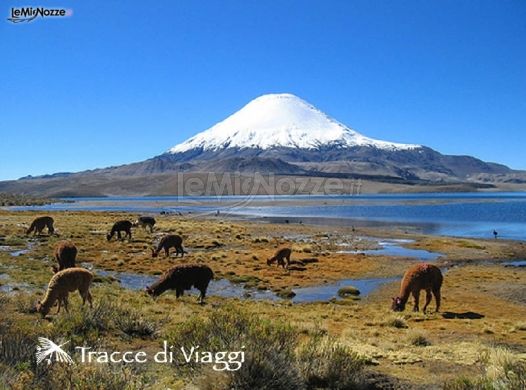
x: 453, y: 214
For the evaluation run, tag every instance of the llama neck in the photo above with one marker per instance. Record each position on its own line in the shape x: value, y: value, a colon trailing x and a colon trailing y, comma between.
x: 404, y: 295
x: 50, y: 298
x: 160, y: 246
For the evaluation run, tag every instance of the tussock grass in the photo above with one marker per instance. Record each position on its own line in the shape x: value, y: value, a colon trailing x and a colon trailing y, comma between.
x: 93, y: 376
x: 275, y: 359
x: 396, y: 322
x: 16, y: 347
x: 326, y: 364
x: 502, y: 370
x: 134, y: 324
x: 84, y: 321
x: 26, y: 303
x: 87, y: 324
x: 418, y: 339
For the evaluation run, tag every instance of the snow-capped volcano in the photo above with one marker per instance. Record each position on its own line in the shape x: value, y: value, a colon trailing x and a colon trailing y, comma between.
x: 280, y: 135
x: 281, y: 121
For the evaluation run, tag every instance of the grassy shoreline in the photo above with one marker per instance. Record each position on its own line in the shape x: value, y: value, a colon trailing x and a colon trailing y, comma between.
x: 483, y: 310
x: 8, y: 199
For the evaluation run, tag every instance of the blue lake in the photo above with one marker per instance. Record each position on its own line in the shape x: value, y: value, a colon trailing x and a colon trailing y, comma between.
x: 456, y: 214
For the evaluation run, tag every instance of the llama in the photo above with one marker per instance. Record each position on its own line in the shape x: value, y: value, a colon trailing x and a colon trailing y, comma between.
x: 61, y: 284
x: 65, y: 254
x: 39, y: 224
x: 167, y: 242
x: 118, y: 227
x: 283, y: 253
x: 419, y: 277
x: 181, y: 278
x: 145, y: 222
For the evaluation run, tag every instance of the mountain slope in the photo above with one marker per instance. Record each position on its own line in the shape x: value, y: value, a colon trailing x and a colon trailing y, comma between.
x: 278, y: 134
x: 285, y: 127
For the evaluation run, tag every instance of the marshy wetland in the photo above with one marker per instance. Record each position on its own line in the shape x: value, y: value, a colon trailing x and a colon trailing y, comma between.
x: 286, y: 319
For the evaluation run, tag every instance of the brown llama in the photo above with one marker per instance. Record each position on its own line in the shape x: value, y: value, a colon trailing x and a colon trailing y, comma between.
x: 167, y: 242
x: 65, y: 254
x: 419, y: 277
x: 118, y: 227
x: 39, y: 224
x: 181, y: 278
x: 283, y: 253
x: 61, y: 284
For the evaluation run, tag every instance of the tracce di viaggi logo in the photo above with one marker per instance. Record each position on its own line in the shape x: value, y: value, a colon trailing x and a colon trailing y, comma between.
x: 49, y: 352
x: 28, y: 14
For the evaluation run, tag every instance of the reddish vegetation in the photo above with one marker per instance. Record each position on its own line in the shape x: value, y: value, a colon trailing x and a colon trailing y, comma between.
x: 167, y: 242
x: 118, y: 227
x: 65, y: 253
x: 39, y: 224
x: 283, y: 253
x: 181, y: 278
x: 419, y: 277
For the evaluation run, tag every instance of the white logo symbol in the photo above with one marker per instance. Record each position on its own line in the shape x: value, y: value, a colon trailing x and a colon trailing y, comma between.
x: 47, y: 348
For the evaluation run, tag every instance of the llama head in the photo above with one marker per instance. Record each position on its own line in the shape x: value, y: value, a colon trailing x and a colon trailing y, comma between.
x: 41, y: 309
x: 154, y: 253
x: 108, y: 236
x: 397, y: 304
x: 150, y: 291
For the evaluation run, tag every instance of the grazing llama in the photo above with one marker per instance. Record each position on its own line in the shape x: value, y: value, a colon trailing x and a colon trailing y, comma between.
x: 181, y: 278
x: 167, y: 242
x: 419, y: 277
x: 283, y: 253
x: 39, y: 224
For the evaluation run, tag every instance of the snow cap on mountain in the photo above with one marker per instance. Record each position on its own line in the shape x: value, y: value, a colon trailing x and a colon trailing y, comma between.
x: 281, y: 120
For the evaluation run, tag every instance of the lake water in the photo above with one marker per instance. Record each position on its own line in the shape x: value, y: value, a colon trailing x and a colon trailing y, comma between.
x: 456, y: 214
x: 393, y: 247
x: 226, y: 289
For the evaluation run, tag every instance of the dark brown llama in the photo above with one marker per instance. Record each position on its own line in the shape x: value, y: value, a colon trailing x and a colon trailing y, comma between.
x: 65, y: 254
x: 283, y: 253
x: 39, y: 224
x: 167, y: 242
x: 118, y: 227
x: 181, y: 278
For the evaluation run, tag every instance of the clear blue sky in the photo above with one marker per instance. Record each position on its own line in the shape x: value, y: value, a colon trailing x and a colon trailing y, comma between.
x: 122, y: 81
